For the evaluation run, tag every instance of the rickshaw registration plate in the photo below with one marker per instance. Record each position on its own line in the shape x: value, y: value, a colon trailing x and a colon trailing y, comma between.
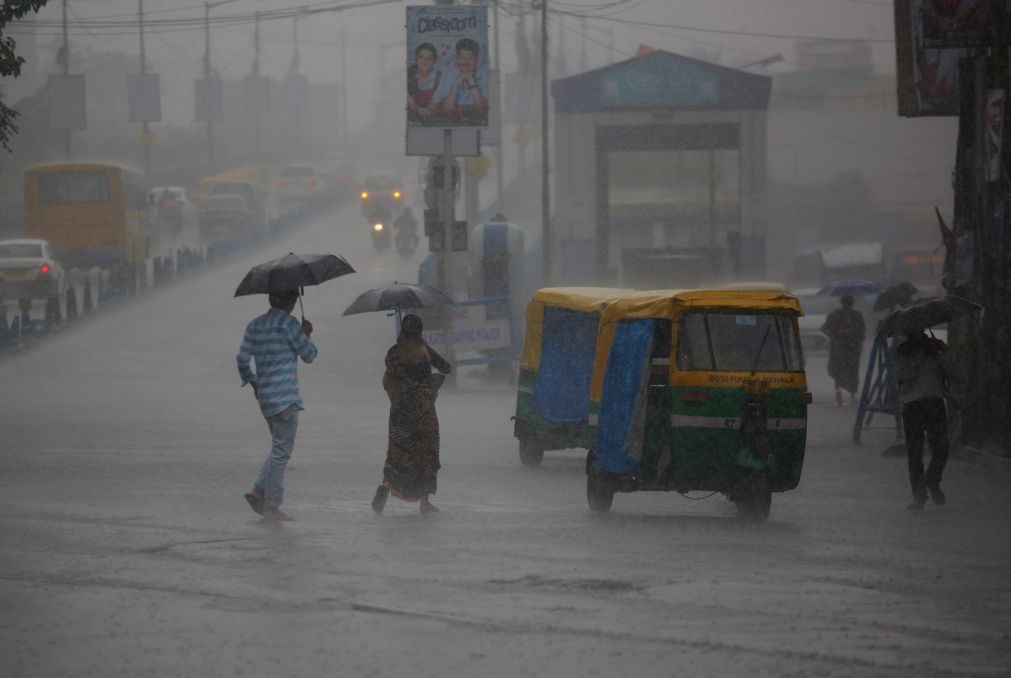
x: 756, y: 386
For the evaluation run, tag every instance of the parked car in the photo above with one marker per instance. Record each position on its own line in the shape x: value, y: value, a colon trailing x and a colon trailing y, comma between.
x: 816, y: 309
x: 299, y: 184
x: 29, y: 271
x: 225, y: 217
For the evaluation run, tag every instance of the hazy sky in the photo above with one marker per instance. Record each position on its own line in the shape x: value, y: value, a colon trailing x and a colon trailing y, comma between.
x: 374, y: 36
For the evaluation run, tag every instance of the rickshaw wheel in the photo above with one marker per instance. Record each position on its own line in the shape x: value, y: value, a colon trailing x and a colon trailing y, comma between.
x: 530, y: 453
x: 755, y: 503
x: 599, y: 493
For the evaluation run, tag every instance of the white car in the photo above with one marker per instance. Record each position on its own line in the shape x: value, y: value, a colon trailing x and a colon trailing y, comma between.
x: 816, y: 309
x: 299, y: 184
x: 29, y: 271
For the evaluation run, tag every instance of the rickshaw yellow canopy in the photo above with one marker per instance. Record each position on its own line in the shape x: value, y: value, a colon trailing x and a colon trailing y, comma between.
x: 584, y: 299
x: 671, y: 305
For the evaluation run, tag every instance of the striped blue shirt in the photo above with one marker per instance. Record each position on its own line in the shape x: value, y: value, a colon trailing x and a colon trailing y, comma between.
x: 276, y: 341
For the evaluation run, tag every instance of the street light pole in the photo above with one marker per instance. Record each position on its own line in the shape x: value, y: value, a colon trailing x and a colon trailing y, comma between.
x: 145, y: 133
x: 207, y: 74
x: 66, y: 71
x: 545, y: 176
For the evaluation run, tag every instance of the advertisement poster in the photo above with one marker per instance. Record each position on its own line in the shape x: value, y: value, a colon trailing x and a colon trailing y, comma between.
x: 930, y: 38
x: 448, y: 81
x: 953, y: 23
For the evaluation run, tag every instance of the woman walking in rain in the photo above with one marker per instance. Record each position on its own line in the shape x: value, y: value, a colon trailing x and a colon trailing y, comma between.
x: 412, y: 454
x: 845, y: 329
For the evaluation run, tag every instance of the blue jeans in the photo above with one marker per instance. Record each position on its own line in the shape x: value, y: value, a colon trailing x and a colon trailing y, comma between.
x: 271, y: 478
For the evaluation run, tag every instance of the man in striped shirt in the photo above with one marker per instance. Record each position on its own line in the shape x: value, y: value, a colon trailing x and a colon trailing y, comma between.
x: 276, y: 341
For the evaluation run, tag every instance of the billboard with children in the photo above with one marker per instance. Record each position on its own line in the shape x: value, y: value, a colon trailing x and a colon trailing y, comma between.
x: 447, y: 66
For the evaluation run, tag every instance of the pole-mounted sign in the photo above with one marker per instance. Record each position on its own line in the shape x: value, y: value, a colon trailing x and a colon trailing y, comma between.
x: 448, y: 81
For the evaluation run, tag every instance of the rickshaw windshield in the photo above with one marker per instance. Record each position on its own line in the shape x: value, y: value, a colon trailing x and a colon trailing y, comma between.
x: 738, y: 341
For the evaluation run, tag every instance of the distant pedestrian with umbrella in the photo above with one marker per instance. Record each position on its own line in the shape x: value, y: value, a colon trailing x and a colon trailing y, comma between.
x: 922, y: 383
x: 276, y: 341
x: 845, y: 330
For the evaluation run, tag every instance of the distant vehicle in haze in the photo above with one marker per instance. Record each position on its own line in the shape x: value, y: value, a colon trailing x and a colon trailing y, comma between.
x: 922, y: 265
x: 168, y: 207
x: 28, y: 270
x: 335, y: 170
x: 297, y: 185
x: 226, y: 217
x: 381, y: 192
x: 816, y: 309
x: 91, y: 214
x: 253, y: 195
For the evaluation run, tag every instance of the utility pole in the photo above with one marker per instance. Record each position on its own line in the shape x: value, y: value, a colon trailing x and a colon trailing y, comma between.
x: 500, y: 151
x: 545, y: 176
x: 66, y: 71
x: 256, y: 81
x: 145, y: 138
x: 344, y: 90
x: 295, y: 58
x: 207, y: 81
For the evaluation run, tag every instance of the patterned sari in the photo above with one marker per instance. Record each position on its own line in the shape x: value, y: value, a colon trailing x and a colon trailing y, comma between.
x: 412, y: 454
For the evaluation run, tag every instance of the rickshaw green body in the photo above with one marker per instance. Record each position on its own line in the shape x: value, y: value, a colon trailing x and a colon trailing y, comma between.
x: 727, y: 414
x: 702, y: 441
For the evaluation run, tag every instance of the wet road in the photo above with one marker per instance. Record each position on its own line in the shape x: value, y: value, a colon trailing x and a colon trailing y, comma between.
x: 128, y: 550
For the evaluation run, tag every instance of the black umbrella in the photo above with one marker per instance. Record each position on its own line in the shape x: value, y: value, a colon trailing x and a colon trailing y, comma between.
x: 852, y: 288
x: 925, y: 314
x: 291, y: 272
x: 396, y: 297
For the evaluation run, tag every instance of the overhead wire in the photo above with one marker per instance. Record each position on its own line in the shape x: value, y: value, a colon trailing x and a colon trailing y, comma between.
x: 97, y: 28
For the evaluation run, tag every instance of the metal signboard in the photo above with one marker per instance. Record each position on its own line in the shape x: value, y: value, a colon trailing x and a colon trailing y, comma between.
x: 143, y: 94
x: 67, y: 111
x: 256, y: 94
x: 431, y: 141
x: 447, y: 66
x: 210, y: 100
x: 295, y: 92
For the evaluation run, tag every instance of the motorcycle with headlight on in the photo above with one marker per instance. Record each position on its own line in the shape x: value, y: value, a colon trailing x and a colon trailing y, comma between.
x: 380, y: 225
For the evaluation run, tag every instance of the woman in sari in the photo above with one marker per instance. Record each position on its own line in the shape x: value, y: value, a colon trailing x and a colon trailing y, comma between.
x: 845, y: 330
x: 412, y: 454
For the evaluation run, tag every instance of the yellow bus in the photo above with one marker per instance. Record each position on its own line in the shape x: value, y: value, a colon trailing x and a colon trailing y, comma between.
x: 92, y: 214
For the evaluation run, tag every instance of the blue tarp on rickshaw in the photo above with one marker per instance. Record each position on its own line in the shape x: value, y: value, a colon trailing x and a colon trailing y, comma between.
x: 622, y: 419
x: 562, y: 389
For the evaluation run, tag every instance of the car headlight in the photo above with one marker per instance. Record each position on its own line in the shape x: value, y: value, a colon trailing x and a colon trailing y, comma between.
x: 377, y: 227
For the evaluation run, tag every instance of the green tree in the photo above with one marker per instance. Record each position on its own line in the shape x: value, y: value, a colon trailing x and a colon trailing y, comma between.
x: 10, y: 62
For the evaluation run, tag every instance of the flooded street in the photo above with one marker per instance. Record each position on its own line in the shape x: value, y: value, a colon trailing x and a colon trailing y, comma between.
x: 129, y: 550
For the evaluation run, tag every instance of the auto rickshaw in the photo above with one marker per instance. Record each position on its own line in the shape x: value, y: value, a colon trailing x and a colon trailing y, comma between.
x: 699, y: 390
x: 553, y: 388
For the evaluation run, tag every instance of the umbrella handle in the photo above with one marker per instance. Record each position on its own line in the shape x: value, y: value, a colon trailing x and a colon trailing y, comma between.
x: 301, y: 308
